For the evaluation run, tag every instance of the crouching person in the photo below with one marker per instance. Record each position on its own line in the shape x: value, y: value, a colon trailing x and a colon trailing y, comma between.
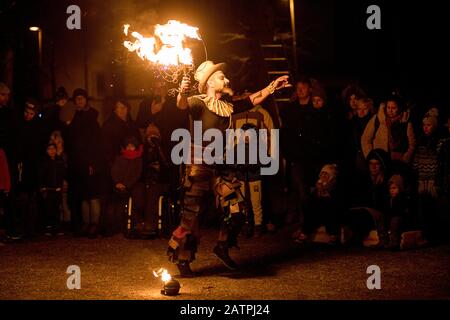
x: 51, y: 179
x: 397, y: 214
x: 323, y: 208
x: 126, y: 172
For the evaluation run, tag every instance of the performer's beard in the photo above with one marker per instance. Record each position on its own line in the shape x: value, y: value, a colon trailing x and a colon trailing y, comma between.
x: 227, y: 91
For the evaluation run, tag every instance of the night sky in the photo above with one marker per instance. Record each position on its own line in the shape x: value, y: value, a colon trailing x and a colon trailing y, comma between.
x: 334, y: 43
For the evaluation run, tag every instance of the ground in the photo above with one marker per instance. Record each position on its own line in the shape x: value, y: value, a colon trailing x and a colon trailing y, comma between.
x: 272, y: 267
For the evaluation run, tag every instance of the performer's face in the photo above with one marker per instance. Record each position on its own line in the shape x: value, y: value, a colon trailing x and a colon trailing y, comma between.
x: 219, y: 82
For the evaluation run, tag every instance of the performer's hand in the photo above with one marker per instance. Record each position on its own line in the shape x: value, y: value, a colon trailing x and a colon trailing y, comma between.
x: 185, y: 85
x: 281, y: 82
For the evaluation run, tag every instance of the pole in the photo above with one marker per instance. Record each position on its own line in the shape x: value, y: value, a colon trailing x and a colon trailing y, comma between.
x: 40, y: 47
x: 294, y: 36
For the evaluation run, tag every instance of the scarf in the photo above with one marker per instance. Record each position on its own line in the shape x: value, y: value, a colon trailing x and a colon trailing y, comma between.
x: 132, y: 154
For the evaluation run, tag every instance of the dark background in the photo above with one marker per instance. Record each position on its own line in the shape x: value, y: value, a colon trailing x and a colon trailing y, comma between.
x: 334, y: 44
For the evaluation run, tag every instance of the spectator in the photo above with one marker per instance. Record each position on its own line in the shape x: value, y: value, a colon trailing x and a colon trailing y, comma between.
x: 425, y: 164
x: 323, y: 207
x: 397, y: 214
x: 355, y: 160
x: 57, y: 139
x: 307, y: 144
x: 126, y: 173
x: 118, y: 127
x: 160, y: 109
x: 5, y: 188
x: 156, y: 178
x: 6, y: 121
x: 391, y: 131
x: 58, y: 116
x: 28, y: 146
x: 443, y: 185
x: 86, y: 166
x: 51, y: 178
x: 350, y: 96
x: 368, y: 197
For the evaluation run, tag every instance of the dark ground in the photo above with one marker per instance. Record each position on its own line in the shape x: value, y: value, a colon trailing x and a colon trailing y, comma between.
x: 272, y: 267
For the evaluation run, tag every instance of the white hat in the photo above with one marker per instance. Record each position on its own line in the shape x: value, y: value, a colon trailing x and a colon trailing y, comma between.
x: 204, y: 71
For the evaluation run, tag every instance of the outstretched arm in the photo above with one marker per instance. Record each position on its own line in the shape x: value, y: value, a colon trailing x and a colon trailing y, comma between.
x: 261, y: 95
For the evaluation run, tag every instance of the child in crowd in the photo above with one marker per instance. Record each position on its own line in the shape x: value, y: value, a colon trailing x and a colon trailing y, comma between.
x: 51, y: 178
x: 57, y: 139
x: 126, y: 172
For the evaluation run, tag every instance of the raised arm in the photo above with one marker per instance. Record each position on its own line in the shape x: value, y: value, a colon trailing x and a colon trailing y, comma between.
x: 182, y: 99
x: 261, y: 95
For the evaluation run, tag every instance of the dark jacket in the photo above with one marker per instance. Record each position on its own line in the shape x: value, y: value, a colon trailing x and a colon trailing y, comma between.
x: 52, y: 173
x: 85, y: 156
x: 126, y: 171
x: 114, y: 131
x: 29, y: 147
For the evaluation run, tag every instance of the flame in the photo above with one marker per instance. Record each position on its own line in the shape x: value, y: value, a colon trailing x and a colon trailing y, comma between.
x: 164, y: 274
x: 166, y: 47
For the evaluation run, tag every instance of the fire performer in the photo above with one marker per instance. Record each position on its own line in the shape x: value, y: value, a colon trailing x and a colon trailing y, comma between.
x: 213, y: 107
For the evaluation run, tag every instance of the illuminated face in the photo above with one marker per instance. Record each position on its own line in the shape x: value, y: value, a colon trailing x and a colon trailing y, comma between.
x: 130, y: 147
x: 219, y: 82
x: 374, y: 167
x: 303, y: 90
x: 61, y: 102
x: 324, y: 177
x: 353, y: 102
x: 4, y: 98
x: 362, y: 110
x: 80, y: 102
x: 392, y: 109
x: 121, y: 111
x: 427, y: 128
x: 318, y: 102
x: 393, y: 190
x: 29, y: 114
x: 51, y: 151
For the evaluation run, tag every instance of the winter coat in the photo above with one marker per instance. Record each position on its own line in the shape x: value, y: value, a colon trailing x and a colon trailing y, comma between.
x: 126, y: 171
x: 377, y: 135
x: 52, y: 173
x: 29, y: 147
x: 86, y: 162
x: 114, y: 131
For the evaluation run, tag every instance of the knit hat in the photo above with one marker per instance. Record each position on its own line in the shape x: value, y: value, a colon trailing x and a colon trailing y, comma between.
x: 331, y: 169
x: 432, y: 117
x: 204, y: 71
x: 380, y: 155
x: 4, y: 89
x: 319, y: 92
x: 61, y: 93
x: 80, y: 92
x: 397, y: 180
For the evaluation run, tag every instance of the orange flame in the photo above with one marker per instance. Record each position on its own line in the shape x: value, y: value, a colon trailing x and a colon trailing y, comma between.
x: 166, y: 47
x: 164, y: 274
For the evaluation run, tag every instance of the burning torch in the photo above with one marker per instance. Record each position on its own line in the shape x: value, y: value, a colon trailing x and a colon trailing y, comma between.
x: 166, y: 49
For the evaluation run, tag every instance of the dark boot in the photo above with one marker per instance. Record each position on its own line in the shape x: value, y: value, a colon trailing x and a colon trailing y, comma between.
x: 185, y: 270
x: 221, y: 251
